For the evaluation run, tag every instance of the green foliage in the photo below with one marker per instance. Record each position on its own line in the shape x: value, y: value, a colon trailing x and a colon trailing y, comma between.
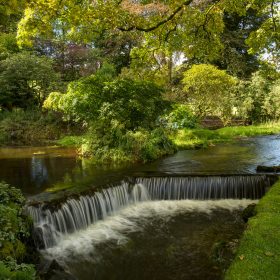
x: 193, y: 138
x: 83, y: 98
x: 257, y: 99
x: 265, y: 39
x: 258, y: 254
x: 181, y: 117
x: 14, y: 227
x: 11, y: 270
x: 30, y: 127
x: 235, y: 57
x: 208, y: 91
x: 119, y: 145
x: 8, y: 45
x: 25, y: 80
x: 130, y: 102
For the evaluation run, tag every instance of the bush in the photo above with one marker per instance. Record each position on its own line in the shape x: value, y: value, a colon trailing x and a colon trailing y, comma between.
x: 120, y: 145
x: 14, y: 228
x: 257, y: 100
x: 16, y: 272
x: 180, y: 117
x: 30, y: 127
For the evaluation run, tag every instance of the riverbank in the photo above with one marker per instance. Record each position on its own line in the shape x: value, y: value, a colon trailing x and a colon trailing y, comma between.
x: 142, y: 147
x: 32, y: 127
x: 198, y: 138
x: 258, y: 255
x: 17, y: 250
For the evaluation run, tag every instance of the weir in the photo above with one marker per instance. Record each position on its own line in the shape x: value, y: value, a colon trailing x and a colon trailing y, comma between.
x: 78, y: 213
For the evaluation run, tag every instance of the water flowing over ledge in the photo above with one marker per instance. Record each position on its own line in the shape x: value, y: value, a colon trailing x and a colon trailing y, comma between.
x: 77, y: 214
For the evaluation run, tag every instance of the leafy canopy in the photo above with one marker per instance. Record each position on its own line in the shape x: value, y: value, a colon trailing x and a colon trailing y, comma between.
x: 191, y: 26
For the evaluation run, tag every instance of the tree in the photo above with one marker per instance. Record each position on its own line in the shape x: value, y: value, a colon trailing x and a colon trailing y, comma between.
x: 25, y: 80
x: 10, y: 13
x: 194, y: 27
x: 106, y: 99
x: 208, y: 90
x: 8, y: 45
x: 235, y: 57
x: 258, y: 99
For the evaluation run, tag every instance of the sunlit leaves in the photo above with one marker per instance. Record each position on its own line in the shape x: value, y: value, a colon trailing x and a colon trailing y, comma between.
x: 191, y: 26
x: 208, y: 91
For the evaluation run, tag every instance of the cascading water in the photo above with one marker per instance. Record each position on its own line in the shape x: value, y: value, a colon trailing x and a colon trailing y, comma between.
x: 76, y: 214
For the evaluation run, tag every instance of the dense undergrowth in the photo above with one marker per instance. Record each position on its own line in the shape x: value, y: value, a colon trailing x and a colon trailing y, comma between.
x: 258, y: 255
x: 143, y: 145
x: 31, y: 127
x: 15, y: 230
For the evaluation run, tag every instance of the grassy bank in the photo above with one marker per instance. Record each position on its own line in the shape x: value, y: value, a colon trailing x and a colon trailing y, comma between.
x: 143, y: 146
x: 258, y: 256
x: 194, y: 138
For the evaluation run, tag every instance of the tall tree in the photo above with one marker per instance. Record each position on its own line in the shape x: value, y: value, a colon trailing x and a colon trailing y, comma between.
x: 197, y: 23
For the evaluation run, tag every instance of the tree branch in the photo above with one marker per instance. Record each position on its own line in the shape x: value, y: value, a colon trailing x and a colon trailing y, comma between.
x: 157, y: 25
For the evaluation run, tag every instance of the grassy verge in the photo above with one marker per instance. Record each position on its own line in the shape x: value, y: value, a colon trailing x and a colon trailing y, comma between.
x: 258, y: 256
x: 193, y: 138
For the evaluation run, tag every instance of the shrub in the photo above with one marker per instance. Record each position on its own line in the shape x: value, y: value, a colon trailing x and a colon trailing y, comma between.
x: 180, y: 117
x: 121, y: 145
x: 14, y: 227
x: 30, y: 127
x: 257, y: 99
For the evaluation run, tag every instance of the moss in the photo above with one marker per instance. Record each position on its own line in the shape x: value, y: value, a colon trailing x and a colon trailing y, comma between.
x: 258, y: 255
x: 14, y: 249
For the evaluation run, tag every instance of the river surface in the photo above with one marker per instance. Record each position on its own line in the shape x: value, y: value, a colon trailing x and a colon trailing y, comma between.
x: 37, y: 169
x: 165, y: 240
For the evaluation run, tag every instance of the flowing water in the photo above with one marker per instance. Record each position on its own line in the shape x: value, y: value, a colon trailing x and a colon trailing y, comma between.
x: 163, y: 220
x: 51, y: 225
x: 154, y: 240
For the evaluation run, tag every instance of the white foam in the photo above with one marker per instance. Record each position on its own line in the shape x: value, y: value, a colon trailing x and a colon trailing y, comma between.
x: 82, y: 243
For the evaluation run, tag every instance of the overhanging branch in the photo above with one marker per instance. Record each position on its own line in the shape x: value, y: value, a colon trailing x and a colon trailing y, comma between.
x: 160, y: 23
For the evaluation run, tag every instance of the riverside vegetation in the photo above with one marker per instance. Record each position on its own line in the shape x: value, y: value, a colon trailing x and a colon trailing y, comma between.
x: 15, y: 230
x: 132, y: 80
x: 258, y: 254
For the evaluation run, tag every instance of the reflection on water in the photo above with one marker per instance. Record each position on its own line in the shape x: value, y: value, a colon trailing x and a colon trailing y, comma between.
x: 230, y: 158
x: 35, y: 169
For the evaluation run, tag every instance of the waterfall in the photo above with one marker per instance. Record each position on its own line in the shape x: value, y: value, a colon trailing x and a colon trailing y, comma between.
x: 76, y: 214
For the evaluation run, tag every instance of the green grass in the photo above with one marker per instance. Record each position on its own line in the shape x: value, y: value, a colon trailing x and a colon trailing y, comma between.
x: 71, y: 141
x: 258, y: 256
x: 193, y: 138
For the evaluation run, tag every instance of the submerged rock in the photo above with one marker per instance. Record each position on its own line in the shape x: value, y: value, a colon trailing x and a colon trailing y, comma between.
x: 52, y: 270
x: 248, y: 212
x: 273, y: 169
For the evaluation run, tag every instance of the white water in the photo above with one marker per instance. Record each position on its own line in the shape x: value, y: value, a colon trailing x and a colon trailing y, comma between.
x: 81, y: 244
x: 78, y: 214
